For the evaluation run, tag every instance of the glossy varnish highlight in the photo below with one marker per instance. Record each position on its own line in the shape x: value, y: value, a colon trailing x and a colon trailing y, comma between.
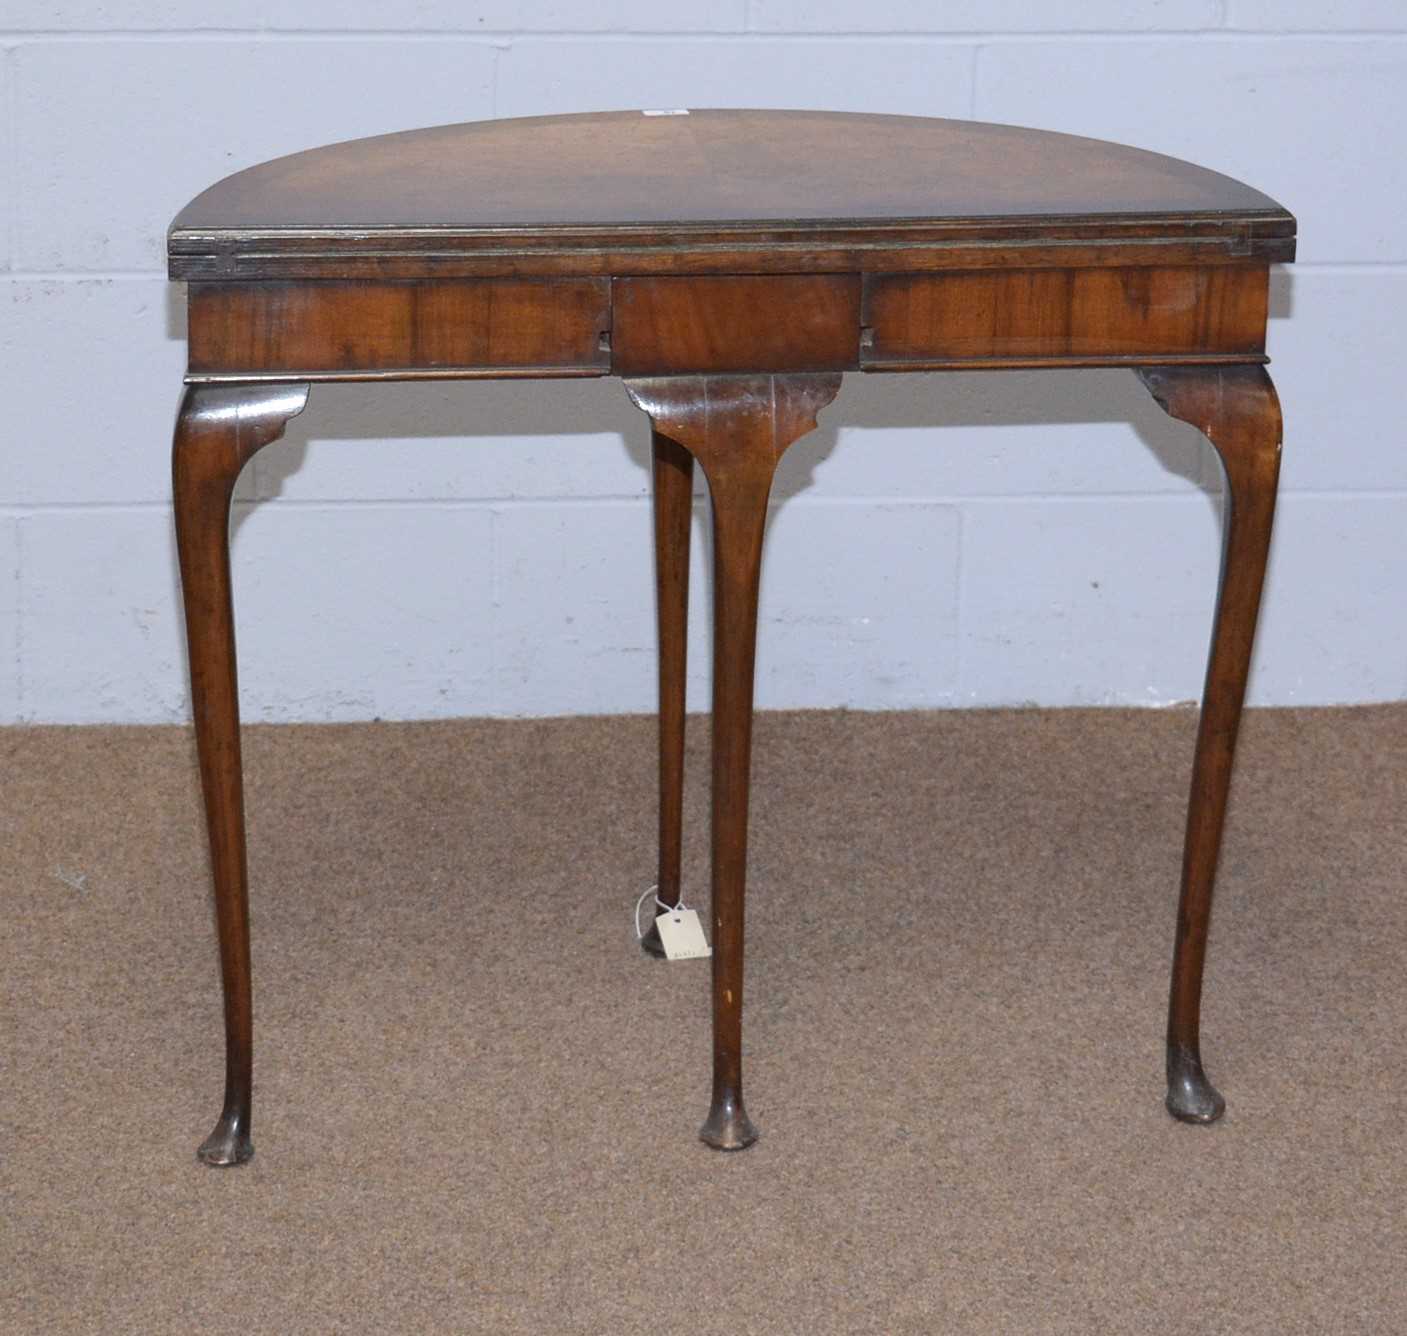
x: 716, y: 192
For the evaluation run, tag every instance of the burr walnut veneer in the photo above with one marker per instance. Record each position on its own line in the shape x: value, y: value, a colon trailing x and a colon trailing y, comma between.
x: 729, y: 265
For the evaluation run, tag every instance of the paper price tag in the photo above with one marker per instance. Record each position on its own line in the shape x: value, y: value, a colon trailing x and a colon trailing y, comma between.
x: 682, y: 935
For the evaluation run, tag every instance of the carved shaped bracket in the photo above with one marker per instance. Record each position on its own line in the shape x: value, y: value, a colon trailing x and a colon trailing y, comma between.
x: 735, y: 423
x: 1234, y: 407
x: 1237, y: 410
x: 236, y: 421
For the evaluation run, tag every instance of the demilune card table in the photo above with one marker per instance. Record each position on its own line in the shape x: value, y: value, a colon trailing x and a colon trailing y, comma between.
x: 728, y: 266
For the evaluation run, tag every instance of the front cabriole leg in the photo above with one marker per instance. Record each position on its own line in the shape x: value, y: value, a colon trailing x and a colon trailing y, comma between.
x: 1237, y: 410
x: 219, y: 429
x: 737, y: 427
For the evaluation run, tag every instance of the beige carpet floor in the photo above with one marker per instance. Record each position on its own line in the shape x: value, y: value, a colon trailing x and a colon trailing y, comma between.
x: 476, y: 1102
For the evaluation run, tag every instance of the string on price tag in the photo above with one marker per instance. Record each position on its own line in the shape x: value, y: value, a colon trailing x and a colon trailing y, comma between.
x: 681, y: 933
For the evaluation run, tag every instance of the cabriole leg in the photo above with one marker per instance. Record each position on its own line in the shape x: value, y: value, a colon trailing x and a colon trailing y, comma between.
x: 674, y: 500
x: 737, y: 427
x: 218, y: 430
x: 1237, y: 410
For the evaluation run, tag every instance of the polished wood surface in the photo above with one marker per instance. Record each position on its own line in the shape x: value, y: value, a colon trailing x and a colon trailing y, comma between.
x: 673, y: 480
x: 927, y: 321
x: 707, y: 324
x: 710, y: 165
x: 752, y: 191
x: 770, y: 322
x: 729, y: 266
x: 218, y: 431
x: 1237, y: 410
x: 738, y: 428
x: 338, y: 328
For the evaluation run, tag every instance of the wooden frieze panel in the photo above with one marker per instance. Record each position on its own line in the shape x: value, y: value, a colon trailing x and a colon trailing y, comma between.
x: 1063, y: 315
x: 752, y: 323
x: 331, y: 329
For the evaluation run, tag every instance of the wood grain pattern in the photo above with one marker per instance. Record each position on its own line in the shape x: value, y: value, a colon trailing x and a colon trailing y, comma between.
x: 1121, y: 314
x: 1237, y: 410
x: 322, y: 330
x: 673, y: 479
x: 799, y: 190
x: 777, y: 249
x: 738, y: 428
x: 217, y: 432
x: 672, y: 326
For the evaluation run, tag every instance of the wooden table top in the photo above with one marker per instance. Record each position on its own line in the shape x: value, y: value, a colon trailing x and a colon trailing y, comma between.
x: 706, y: 191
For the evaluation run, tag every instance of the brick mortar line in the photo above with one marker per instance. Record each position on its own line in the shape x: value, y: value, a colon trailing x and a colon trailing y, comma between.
x: 905, y: 501
x: 14, y: 38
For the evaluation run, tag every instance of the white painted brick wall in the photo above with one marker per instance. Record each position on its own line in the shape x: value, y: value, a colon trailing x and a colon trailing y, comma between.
x: 9, y: 616
x: 1309, y: 122
x: 417, y: 551
x: 903, y: 78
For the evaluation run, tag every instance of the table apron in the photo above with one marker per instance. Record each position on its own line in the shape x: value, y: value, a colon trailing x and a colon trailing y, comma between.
x: 349, y: 329
x: 1065, y: 314
x: 646, y: 325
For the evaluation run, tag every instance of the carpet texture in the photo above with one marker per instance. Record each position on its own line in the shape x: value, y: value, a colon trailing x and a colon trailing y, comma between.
x: 476, y: 1101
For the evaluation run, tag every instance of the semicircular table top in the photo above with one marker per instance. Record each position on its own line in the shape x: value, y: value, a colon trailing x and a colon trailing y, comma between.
x: 614, y: 174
